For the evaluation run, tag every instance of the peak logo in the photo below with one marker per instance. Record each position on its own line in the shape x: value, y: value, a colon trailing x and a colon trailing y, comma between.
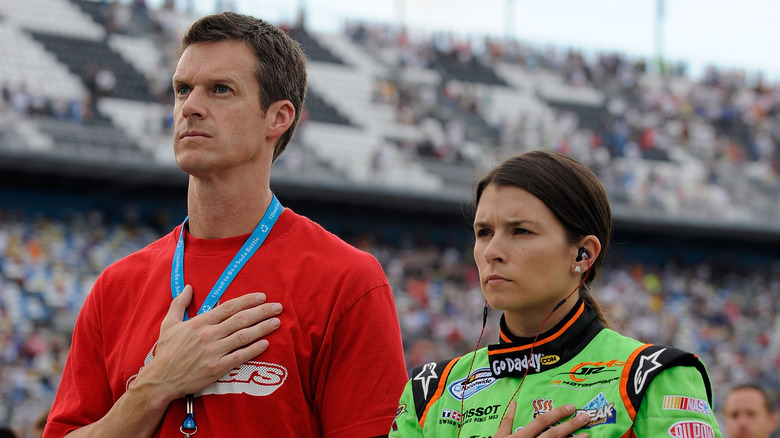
x: 600, y: 411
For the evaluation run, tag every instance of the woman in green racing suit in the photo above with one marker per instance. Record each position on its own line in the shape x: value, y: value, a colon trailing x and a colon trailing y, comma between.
x: 542, y: 225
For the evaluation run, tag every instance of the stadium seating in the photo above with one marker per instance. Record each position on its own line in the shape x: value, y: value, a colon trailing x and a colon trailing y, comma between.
x: 415, y: 117
x: 720, y: 309
x: 85, y: 58
x: 28, y: 65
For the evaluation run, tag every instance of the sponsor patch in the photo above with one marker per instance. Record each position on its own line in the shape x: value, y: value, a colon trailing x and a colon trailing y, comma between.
x: 583, y: 370
x: 451, y: 414
x: 682, y: 403
x: 479, y: 415
x: 550, y: 359
x: 401, y: 410
x: 585, y: 385
x: 691, y: 429
x: 542, y: 405
x: 600, y: 411
x: 510, y: 365
x: 478, y: 380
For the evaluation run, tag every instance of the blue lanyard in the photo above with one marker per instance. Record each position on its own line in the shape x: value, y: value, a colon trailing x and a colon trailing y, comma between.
x: 246, y: 252
x: 242, y: 256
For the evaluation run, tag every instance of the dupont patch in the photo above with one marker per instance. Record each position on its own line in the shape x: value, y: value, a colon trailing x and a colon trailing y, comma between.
x: 478, y: 380
x: 682, y: 403
x: 600, y: 411
x: 691, y: 429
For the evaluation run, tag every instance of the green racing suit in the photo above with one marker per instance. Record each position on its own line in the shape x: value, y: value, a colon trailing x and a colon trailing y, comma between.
x: 629, y: 389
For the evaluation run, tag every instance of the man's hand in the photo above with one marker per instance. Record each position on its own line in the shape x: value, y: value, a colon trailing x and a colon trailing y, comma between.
x: 540, y: 426
x: 190, y: 355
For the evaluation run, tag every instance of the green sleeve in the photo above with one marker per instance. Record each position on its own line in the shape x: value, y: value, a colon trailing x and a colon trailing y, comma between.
x: 675, y: 403
x: 406, y: 424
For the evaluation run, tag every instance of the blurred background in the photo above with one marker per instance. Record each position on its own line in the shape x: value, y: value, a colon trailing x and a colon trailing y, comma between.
x: 676, y: 106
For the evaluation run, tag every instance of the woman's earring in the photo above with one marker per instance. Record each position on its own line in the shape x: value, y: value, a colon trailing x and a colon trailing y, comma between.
x: 577, y: 269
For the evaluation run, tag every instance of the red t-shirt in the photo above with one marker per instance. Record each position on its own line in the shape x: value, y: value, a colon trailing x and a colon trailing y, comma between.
x: 334, y: 368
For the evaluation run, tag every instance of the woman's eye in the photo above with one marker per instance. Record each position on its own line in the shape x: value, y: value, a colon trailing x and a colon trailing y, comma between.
x: 482, y: 233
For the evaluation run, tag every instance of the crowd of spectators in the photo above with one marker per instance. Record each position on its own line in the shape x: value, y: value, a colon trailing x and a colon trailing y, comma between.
x: 661, y: 139
x: 724, y: 312
x: 25, y: 102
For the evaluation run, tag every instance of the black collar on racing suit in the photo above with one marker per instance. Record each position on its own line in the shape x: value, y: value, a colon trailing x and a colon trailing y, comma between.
x: 513, y: 355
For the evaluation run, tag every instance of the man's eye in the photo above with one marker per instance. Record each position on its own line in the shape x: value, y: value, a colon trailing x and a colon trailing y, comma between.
x: 182, y: 90
x: 221, y: 89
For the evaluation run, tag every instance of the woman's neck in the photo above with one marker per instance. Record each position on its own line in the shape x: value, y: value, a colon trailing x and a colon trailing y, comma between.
x: 532, y: 322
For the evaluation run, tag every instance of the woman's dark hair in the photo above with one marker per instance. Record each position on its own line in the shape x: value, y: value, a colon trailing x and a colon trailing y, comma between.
x: 281, y: 64
x: 570, y: 190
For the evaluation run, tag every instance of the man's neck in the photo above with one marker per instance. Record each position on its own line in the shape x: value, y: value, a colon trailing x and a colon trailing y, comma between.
x: 221, y: 210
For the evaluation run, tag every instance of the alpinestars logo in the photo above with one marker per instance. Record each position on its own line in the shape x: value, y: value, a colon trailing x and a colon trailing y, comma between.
x: 647, y: 365
x: 251, y: 378
x: 428, y: 372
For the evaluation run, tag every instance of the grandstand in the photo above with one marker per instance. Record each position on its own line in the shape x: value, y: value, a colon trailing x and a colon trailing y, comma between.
x: 396, y: 128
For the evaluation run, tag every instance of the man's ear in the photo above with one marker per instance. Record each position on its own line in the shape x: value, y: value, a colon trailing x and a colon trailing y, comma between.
x: 279, y: 116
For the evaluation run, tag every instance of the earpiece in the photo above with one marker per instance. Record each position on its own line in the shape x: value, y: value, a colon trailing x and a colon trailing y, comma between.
x: 582, y: 254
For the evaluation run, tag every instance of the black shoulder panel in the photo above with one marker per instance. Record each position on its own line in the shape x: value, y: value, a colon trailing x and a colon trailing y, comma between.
x: 425, y: 383
x: 647, y: 362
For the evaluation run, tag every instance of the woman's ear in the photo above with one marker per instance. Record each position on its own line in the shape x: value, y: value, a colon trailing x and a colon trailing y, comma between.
x: 589, y: 249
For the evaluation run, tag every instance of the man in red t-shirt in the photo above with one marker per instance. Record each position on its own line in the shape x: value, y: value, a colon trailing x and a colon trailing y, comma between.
x: 305, y: 341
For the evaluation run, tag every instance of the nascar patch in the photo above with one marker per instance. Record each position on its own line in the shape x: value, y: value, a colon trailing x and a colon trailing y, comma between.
x: 682, y: 403
x: 478, y: 380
